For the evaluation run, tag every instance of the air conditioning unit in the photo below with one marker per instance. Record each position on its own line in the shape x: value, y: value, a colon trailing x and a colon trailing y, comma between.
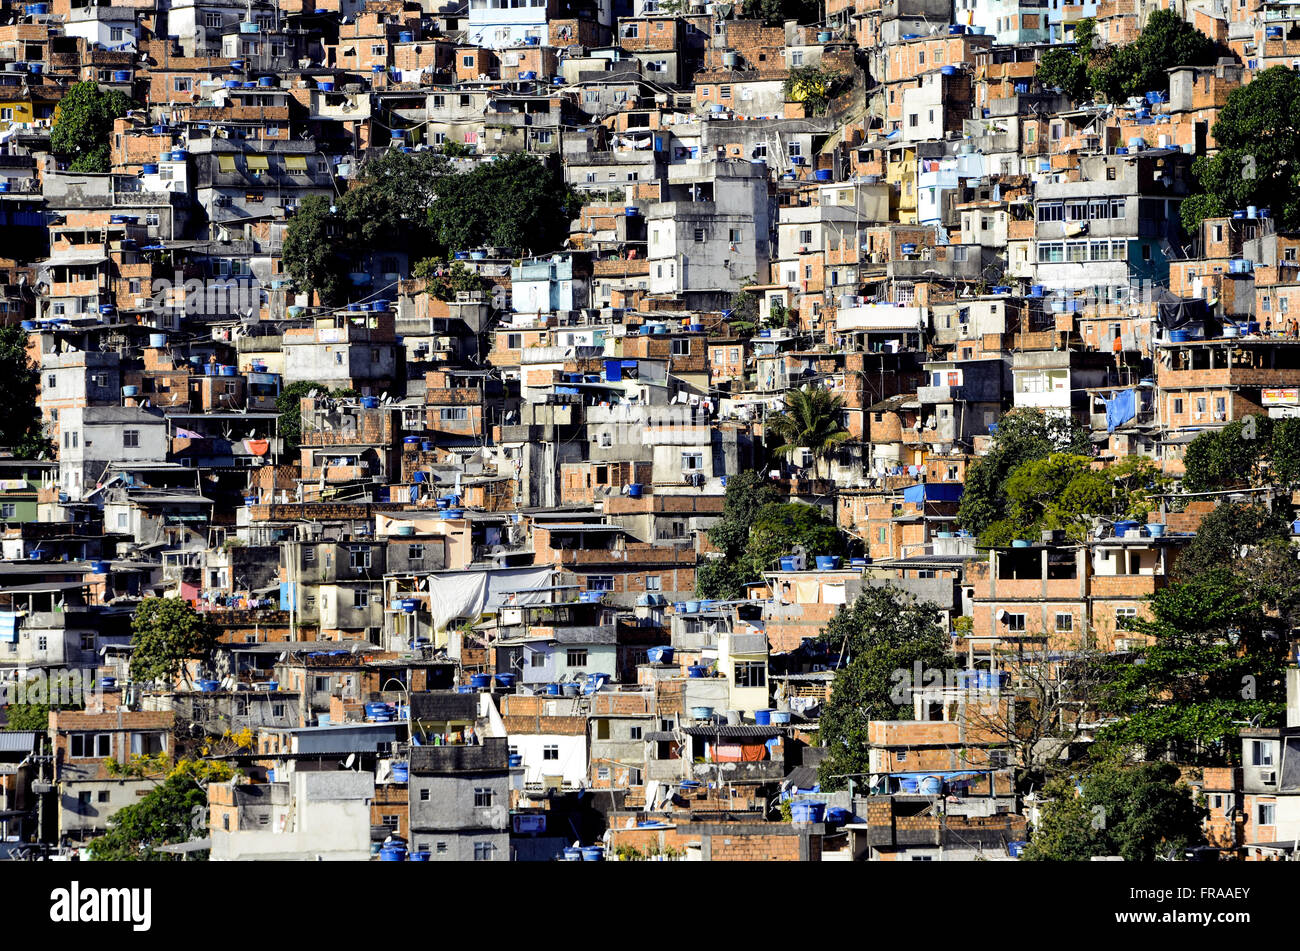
x: 1268, y: 776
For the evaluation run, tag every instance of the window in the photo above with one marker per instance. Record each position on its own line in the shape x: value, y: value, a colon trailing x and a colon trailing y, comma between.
x: 1267, y: 813
x: 212, y: 21
x: 483, y: 851
x: 390, y: 821
x: 1015, y: 622
x: 467, y: 62
x: 550, y: 752
x: 90, y: 745
x: 358, y: 556
x: 576, y: 657
x: 483, y: 797
x: 148, y: 744
x: 692, y: 461
x: 182, y: 84
x: 131, y: 439
x: 634, y: 733
x: 751, y: 673
x: 682, y: 347
x: 536, y: 659
x: 1178, y: 406
x: 362, y: 598
x: 654, y: 582
x: 415, y: 553
x: 1261, y: 753
x: 699, y: 235
x: 600, y: 582
x: 1123, y: 616
x: 451, y: 414
x: 1064, y: 623
x: 8, y: 510
x: 322, y: 684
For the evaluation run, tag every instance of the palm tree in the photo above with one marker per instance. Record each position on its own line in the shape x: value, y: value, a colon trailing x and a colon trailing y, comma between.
x: 810, y: 420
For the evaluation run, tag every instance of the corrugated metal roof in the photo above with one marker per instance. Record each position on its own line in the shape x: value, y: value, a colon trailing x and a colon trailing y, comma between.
x: 745, y: 730
x: 17, y: 741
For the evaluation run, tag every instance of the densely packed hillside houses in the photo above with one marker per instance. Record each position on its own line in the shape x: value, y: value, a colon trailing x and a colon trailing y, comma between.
x: 555, y: 430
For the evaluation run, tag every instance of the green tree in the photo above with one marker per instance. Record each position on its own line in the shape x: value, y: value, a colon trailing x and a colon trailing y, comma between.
x: 1233, y: 457
x: 747, y: 492
x: 516, y: 202
x: 83, y: 126
x: 1257, y: 134
x: 1141, y: 812
x: 30, y: 707
x: 166, y: 632
x: 754, y: 531
x: 1142, y: 66
x: 20, y: 423
x: 174, y: 811
x: 1066, y: 69
x: 408, y: 183
x: 314, y: 254
x: 27, y: 717
x: 1063, y: 491
x: 444, y: 282
x: 726, y: 576
x: 289, y: 405
x: 1065, y: 830
x: 1222, y: 534
x: 1284, y: 452
x: 881, y: 638
x: 1216, y: 661
x: 1023, y: 435
x: 742, y: 312
x: 815, y: 87
x: 811, y: 420
x: 778, y: 528
x: 776, y: 12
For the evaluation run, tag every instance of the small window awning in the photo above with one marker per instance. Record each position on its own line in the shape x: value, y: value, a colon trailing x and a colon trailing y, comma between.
x: 226, y: 162
x: 295, y: 163
x: 257, y: 163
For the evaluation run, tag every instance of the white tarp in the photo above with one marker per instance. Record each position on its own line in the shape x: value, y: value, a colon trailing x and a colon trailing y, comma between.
x: 466, y: 594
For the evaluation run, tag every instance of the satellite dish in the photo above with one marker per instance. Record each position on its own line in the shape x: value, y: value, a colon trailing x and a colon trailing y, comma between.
x: 312, y: 394
x: 352, y: 758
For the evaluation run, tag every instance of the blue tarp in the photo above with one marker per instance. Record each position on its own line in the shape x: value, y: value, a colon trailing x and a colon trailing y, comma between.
x: 9, y: 627
x: 933, y: 492
x: 1120, y: 409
